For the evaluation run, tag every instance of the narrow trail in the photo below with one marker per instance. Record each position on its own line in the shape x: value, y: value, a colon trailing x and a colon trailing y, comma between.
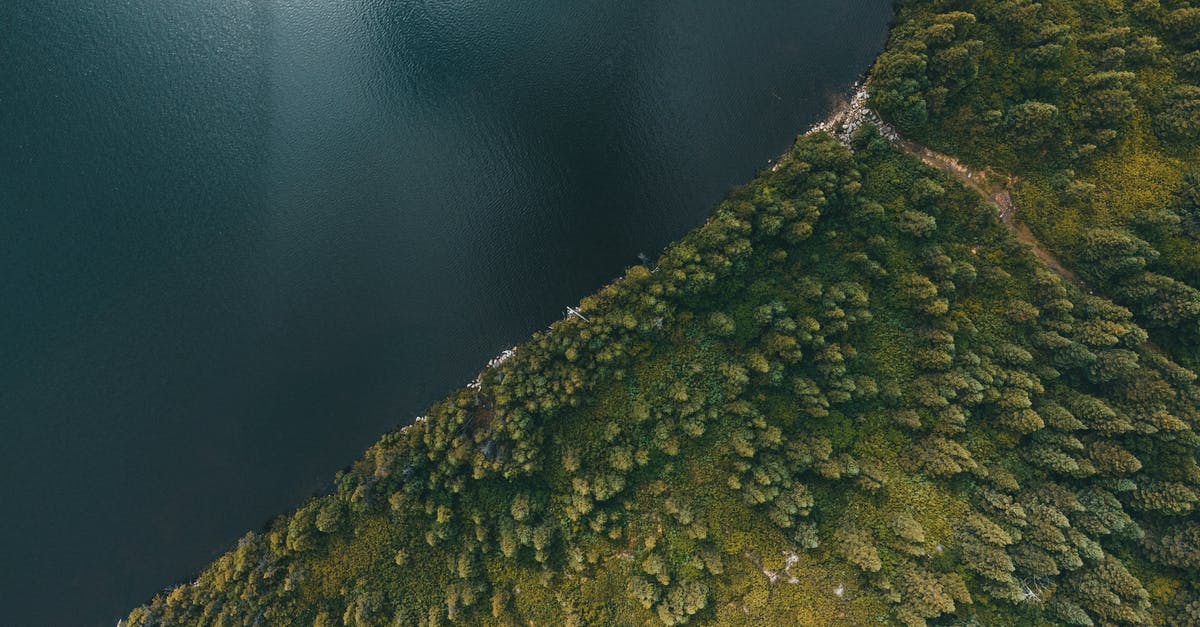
x: 852, y: 115
x: 987, y: 184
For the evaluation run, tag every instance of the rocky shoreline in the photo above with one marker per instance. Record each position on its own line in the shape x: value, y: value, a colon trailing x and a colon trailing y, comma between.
x: 852, y: 115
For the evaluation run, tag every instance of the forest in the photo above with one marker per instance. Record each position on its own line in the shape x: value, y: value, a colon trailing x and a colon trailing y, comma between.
x: 1095, y: 107
x: 850, y: 397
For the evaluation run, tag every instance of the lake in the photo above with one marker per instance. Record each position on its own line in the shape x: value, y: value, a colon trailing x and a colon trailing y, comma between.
x: 242, y: 239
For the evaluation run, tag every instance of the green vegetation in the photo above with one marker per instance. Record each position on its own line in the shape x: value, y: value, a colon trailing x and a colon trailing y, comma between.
x: 1095, y: 105
x: 851, y: 397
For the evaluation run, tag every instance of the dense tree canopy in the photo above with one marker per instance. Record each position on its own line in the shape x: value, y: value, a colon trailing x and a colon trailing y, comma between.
x: 1095, y: 106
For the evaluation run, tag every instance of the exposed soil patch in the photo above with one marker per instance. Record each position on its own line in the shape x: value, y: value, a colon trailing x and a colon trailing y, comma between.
x: 848, y: 117
x: 989, y: 185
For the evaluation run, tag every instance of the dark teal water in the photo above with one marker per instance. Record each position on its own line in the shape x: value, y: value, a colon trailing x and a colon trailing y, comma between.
x: 241, y: 239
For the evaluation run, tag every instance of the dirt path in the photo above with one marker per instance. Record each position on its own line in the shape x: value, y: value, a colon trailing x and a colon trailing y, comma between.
x: 987, y: 184
x: 854, y: 113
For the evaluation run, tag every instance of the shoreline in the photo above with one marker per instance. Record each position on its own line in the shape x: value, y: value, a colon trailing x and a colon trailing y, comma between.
x: 848, y: 115
x: 846, y: 118
x: 852, y: 115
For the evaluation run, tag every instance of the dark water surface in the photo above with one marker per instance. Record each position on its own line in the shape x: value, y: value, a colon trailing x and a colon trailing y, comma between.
x: 241, y: 239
